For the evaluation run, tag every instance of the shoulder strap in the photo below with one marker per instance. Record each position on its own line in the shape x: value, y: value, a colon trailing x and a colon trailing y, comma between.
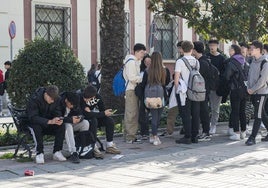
x: 186, y: 62
x: 98, y: 75
x: 262, y: 63
x: 124, y: 65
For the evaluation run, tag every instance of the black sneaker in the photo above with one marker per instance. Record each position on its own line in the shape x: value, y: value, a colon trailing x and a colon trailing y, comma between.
x: 184, y: 141
x: 194, y: 140
x: 250, y: 141
x: 265, y: 139
x: 144, y: 137
x: 74, y: 158
x: 204, y: 137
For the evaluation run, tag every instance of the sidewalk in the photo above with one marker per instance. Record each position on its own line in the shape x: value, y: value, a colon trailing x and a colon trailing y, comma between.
x: 217, y: 163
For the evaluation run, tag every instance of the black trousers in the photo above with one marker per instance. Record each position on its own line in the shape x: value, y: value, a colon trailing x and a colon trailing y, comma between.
x: 190, y: 114
x: 106, y: 122
x: 204, y: 115
x: 238, y: 114
x: 56, y: 130
x: 258, y: 102
x: 143, y: 119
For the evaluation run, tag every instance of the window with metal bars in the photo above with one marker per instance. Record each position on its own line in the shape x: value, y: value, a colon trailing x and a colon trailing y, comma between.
x: 127, y: 34
x: 166, y: 37
x: 53, y: 23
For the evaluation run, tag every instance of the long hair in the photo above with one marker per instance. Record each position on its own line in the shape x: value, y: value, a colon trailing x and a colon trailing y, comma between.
x: 156, y: 71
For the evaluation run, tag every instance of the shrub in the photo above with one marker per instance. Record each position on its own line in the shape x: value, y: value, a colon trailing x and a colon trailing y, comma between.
x: 41, y: 63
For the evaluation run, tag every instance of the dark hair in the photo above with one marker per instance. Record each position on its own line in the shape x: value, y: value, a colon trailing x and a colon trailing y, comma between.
x: 243, y: 44
x: 179, y: 43
x: 139, y: 47
x: 7, y: 63
x: 73, y: 99
x: 187, y: 46
x: 236, y: 49
x: 89, y: 91
x: 257, y: 44
x: 265, y: 46
x: 213, y: 41
x: 199, y: 47
x: 143, y: 66
x: 52, y: 91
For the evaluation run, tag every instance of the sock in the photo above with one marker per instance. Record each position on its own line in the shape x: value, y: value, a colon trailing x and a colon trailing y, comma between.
x: 110, y: 144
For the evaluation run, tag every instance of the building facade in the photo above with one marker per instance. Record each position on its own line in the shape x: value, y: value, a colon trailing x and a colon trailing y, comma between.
x: 76, y: 23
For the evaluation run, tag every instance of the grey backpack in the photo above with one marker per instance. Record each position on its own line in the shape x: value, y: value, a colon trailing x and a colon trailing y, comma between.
x: 154, y: 96
x: 196, y: 90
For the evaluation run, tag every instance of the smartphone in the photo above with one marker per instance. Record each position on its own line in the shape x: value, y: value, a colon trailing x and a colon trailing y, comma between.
x: 113, y: 111
x: 61, y: 118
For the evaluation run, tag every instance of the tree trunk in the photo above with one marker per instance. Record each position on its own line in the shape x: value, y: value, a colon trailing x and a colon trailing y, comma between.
x: 112, y: 17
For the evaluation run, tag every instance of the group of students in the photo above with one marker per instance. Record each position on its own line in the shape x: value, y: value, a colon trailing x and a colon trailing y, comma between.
x: 242, y: 77
x: 61, y: 114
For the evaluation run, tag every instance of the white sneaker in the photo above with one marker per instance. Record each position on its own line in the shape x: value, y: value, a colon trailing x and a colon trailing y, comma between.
x: 57, y: 156
x: 157, y: 141
x: 235, y: 137
x: 39, y: 159
x: 151, y: 139
x: 243, y: 135
x: 230, y: 131
x: 212, y: 129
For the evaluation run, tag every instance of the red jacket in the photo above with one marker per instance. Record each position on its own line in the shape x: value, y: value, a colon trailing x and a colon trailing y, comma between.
x: 1, y: 76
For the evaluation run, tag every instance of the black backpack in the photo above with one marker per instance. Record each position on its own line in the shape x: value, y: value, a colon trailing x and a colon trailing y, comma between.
x: 85, y: 144
x: 93, y: 79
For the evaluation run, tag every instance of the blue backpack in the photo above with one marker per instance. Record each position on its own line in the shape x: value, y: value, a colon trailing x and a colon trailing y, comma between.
x: 119, y: 82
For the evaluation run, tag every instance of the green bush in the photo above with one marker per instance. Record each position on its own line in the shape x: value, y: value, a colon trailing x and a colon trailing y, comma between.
x: 225, y: 110
x: 42, y: 63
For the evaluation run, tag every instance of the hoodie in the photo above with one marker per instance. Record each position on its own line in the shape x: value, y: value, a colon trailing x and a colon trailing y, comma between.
x: 257, y: 78
x: 132, y: 72
x: 39, y: 111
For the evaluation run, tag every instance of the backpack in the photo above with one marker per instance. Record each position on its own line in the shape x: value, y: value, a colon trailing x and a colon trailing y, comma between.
x: 196, y: 90
x: 94, y: 80
x: 154, y: 96
x: 119, y: 82
x: 84, y: 145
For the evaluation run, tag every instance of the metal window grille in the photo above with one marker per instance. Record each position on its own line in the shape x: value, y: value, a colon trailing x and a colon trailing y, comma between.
x: 166, y: 36
x: 127, y: 34
x: 53, y: 23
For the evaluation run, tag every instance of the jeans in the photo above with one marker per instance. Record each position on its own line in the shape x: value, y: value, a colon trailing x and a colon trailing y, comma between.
x: 214, y: 101
x: 190, y: 114
x: 258, y: 102
x: 238, y: 114
x: 156, y: 116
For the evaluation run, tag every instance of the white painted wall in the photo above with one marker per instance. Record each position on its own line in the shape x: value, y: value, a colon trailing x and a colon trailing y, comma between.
x: 10, y: 10
x: 140, y: 21
x: 84, y: 34
x: 187, y: 32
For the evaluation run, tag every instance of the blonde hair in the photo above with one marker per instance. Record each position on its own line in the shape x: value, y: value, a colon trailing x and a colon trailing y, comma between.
x: 156, y: 71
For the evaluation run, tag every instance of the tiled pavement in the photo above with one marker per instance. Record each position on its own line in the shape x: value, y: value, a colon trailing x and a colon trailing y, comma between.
x: 218, y: 163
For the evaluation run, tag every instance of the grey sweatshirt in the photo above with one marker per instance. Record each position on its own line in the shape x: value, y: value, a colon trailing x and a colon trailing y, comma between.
x: 257, y: 79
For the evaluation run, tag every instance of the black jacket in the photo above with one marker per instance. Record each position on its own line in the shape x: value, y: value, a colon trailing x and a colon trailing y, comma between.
x: 217, y: 61
x: 233, y: 74
x: 96, y: 103
x: 76, y: 111
x: 39, y: 111
x: 204, y: 70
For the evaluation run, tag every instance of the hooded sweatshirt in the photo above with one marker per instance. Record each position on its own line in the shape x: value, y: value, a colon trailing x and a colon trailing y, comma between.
x: 132, y: 72
x: 257, y: 78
